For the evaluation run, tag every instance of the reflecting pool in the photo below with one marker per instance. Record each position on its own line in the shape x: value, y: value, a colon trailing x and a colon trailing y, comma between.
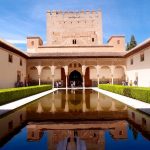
x: 75, y: 120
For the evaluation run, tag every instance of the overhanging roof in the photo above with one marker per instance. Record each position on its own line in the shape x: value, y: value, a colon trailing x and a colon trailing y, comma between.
x: 12, y: 48
x: 138, y: 48
x: 78, y: 55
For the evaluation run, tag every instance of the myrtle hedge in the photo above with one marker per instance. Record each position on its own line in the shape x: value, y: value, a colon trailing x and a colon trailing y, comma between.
x: 140, y: 93
x: 13, y: 94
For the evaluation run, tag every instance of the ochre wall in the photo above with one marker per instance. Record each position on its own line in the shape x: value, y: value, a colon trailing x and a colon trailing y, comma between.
x: 8, y: 71
x: 85, y: 26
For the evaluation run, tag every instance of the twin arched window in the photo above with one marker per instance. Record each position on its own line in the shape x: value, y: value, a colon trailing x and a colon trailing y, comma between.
x: 74, y: 41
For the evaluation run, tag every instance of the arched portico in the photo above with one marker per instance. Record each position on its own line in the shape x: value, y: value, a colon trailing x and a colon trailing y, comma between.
x: 92, y: 73
x: 105, y: 74
x: 119, y: 74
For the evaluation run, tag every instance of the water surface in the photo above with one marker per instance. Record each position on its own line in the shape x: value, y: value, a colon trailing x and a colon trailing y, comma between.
x: 75, y: 119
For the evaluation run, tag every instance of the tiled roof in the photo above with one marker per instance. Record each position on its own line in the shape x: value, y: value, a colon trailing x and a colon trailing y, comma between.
x: 12, y: 48
x: 138, y: 48
x: 107, y: 54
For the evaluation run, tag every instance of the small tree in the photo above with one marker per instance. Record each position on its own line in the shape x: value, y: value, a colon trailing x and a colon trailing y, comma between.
x: 128, y: 46
x: 132, y: 43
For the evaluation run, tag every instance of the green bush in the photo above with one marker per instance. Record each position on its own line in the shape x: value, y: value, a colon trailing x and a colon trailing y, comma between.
x: 140, y: 93
x: 13, y: 94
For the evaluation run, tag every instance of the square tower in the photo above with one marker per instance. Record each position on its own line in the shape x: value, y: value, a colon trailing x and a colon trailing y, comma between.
x: 74, y: 28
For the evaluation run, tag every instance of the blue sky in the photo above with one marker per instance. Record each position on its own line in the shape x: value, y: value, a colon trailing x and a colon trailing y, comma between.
x: 22, y: 18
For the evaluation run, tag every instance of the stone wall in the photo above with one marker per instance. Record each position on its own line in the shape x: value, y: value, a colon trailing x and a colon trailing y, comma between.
x: 84, y: 27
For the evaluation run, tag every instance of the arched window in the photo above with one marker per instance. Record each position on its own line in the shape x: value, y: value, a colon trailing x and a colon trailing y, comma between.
x: 93, y: 39
x: 74, y: 41
x: 20, y: 62
x: 32, y: 43
x: 118, y: 41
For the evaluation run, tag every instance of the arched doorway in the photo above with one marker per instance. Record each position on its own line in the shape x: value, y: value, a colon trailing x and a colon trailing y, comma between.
x: 76, y: 77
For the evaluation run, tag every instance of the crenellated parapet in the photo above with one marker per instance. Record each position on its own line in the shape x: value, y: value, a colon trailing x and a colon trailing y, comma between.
x: 74, y: 13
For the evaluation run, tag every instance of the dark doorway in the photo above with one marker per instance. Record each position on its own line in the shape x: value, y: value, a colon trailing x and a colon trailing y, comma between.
x: 76, y: 77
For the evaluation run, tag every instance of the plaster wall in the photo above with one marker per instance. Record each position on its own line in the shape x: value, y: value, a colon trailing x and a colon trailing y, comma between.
x: 139, y: 69
x: 8, y: 71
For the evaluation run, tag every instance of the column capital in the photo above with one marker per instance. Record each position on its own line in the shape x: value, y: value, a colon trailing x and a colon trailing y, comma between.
x: 66, y: 70
x: 98, y: 67
x: 52, y: 69
x: 83, y: 70
x: 39, y: 69
x: 112, y: 67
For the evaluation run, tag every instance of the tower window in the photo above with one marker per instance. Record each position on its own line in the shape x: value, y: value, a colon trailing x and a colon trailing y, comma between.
x: 74, y: 42
x: 10, y: 58
x: 32, y: 43
x: 118, y: 41
x: 93, y: 39
x: 131, y: 61
x: 142, y: 57
x: 20, y: 62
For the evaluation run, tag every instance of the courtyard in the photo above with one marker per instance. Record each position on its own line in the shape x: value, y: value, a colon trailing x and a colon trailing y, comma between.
x: 74, y: 75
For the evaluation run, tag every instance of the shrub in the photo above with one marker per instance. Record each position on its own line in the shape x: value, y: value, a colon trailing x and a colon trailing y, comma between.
x: 140, y: 93
x: 13, y: 94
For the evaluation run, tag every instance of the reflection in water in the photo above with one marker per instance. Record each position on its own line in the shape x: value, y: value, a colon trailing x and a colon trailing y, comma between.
x: 39, y: 109
x: 66, y: 103
x: 75, y: 119
x: 78, y: 135
x: 84, y: 109
x: 53, y: 108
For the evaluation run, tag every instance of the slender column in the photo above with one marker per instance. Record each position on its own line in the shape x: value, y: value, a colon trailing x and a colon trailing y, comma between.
x: 83, y: 75
x: 66, y: 82
x: 97, y: 80
x: 66, y: 74
x: 53, y: 74
x: 125, y: 72
x: 97, y: 71
x: 83, y: 82
x: 112, y: 74
x: 112, y: 79
x: 53, y: 81
x: 39, y: 79
x: 39, y: 69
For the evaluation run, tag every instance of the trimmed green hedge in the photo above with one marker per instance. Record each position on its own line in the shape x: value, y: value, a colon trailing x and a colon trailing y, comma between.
x: 13, y: 94
x: 140, y: 93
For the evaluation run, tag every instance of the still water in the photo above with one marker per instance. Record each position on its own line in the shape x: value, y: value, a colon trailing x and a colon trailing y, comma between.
x: 75, y: 120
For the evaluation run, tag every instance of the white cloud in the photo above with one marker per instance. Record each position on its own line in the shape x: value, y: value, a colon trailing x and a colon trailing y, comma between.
x: 16, y: 41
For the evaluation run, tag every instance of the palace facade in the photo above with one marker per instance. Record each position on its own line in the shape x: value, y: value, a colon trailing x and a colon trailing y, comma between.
x: 74, y: 52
